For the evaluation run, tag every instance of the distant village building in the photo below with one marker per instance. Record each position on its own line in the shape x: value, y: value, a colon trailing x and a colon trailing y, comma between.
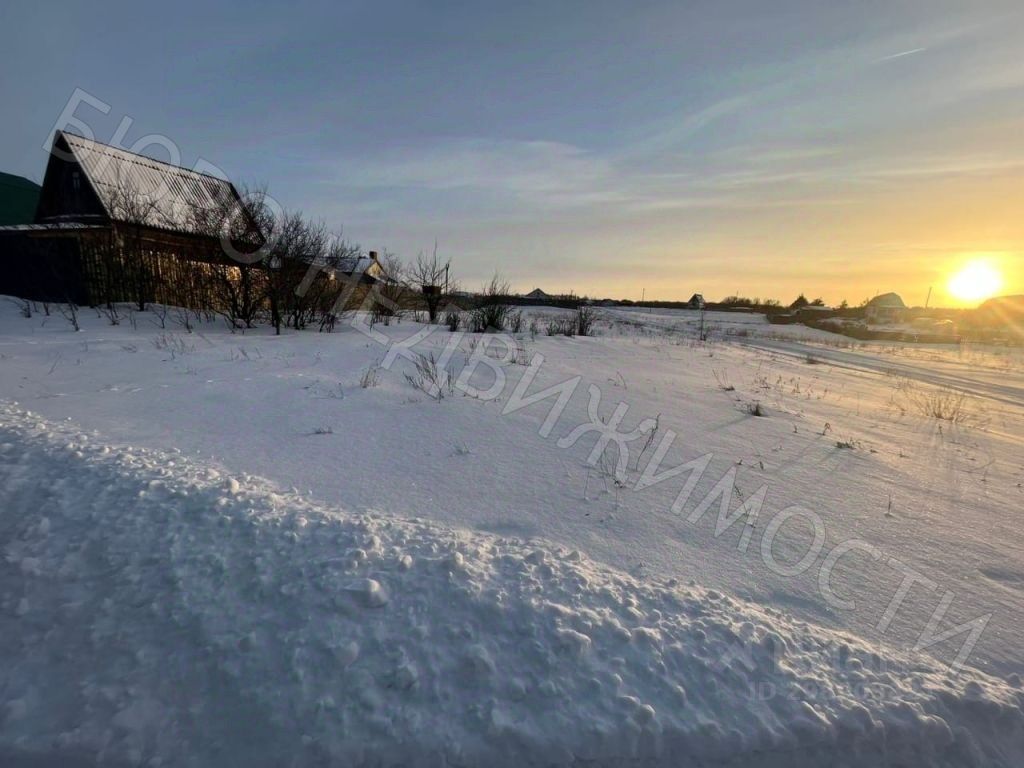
x: 696, y: 302
x: 367, y: 266
x: 1003, y: 315
x: 887, y: 308
x: 813, y: 312
x: 538, y: 295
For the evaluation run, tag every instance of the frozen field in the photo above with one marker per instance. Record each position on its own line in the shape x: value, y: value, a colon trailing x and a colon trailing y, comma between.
x: 255, y: 549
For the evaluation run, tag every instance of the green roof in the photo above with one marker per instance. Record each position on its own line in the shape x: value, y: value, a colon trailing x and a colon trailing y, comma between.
x: 18, y: 199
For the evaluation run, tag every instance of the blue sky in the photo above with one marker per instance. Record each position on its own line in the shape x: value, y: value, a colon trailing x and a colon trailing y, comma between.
x: 766, y: 148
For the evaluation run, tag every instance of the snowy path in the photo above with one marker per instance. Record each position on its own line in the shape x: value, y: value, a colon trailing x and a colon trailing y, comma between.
x: 156, y: 612
x: 962, y: 377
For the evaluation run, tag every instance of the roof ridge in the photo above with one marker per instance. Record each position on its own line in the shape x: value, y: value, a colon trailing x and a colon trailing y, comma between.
x: 176, y: 192
x: 139, y: 155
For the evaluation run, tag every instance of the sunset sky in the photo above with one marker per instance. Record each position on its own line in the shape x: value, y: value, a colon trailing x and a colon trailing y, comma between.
x: 611, y: 148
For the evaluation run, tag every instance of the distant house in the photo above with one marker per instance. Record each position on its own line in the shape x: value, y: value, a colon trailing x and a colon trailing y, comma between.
x: 696, y: 302
x: 813, y: 313
x: 1002, y: 315
x: 538, y: 295
x: 18, y: 200
x: 364, y: 266
x: 887, y: 308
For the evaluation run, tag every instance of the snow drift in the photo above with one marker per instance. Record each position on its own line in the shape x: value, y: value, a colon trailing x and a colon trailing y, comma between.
x: 156, y: 612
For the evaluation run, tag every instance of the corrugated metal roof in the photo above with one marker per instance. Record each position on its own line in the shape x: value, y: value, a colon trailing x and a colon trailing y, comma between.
x: 63, y: 226
x: 355, y: 265
x: 138, y: 189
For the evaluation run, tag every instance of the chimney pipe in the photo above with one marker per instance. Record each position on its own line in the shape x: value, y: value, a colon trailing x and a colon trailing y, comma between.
x: 373, y: 255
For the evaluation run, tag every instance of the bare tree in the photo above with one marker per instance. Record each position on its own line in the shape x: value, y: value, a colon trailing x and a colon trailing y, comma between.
x: 282, y: 277
x: 134, y: 209
x: 390, y: 290
x: 339, y: 290
x: 237, y: 231
x: 429, y: 274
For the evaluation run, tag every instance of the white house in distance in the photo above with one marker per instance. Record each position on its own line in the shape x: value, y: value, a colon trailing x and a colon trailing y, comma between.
x: 886, y: 308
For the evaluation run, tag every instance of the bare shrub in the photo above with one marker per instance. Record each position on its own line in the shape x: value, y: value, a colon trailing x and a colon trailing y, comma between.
x: 942, y: 404
x: 515, y: 322
x: 493, y: 312
x: 584, y: 320
x: 70, y: 313
x: 722, y: 379
x: 327, y: 322
x: 429, y: 378
x: 183, y: 318
x: 173, y: 344
x: 520, y: 355
x: 453, y: 319
x: 24, y: 307
x: 111, y: 313
x: 755, y: 409
x: 562, y: 326
x: 652, y: 433
x: 382, y: 313
x: 608, y: 471
x: 160, y: 312
x: 371, y: 376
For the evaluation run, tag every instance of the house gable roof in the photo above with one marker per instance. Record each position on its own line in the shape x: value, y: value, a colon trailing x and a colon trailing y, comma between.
x: 358, y: 265
x: 136, y: 189
x: 887, y: 301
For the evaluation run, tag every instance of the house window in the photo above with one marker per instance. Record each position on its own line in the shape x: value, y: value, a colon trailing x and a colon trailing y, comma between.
x: 76, y: 180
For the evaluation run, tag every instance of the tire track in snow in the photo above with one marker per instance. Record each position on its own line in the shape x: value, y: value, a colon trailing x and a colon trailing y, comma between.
x: 1008, y: 394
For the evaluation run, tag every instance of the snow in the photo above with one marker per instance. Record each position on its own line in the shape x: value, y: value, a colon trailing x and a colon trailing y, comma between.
x: 165, y: 616
x: 196, y: 571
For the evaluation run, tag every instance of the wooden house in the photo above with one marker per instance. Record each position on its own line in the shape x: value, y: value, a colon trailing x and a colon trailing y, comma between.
x: 886, y: 309
x: 113, y: 226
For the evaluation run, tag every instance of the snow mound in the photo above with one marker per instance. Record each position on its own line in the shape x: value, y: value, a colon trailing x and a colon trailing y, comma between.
x: 153, y: 612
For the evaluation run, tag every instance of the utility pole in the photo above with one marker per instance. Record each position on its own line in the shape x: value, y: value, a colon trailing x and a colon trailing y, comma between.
x: 928, y: 300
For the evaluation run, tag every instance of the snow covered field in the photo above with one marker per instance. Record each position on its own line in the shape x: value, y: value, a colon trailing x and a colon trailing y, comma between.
x: 246, y: 549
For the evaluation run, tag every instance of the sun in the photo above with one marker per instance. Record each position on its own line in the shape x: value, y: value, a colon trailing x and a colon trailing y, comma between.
x: 976, y: 280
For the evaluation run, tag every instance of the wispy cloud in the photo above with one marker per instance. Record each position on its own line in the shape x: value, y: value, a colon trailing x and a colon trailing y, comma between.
x: 542, y: 172
x: 900, y: 55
